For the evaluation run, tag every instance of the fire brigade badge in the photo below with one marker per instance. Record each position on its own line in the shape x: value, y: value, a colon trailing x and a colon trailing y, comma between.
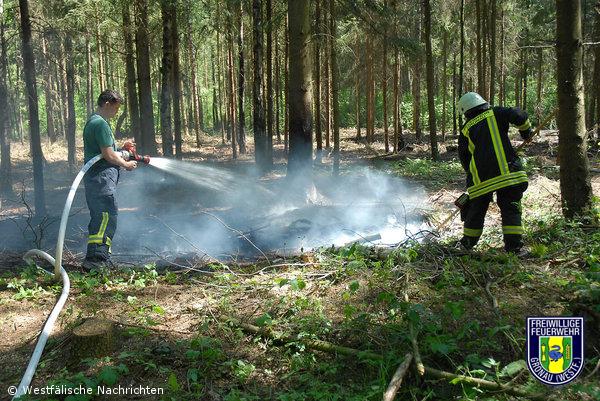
x: 555, y: 348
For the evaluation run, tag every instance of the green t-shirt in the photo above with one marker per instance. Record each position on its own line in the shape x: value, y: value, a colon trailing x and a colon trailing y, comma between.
x: 96, y: 135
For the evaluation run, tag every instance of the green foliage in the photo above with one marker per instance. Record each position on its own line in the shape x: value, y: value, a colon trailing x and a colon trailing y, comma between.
x: 431, y: 173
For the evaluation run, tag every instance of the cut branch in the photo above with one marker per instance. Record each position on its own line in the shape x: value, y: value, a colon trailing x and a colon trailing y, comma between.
x: 396, y: 381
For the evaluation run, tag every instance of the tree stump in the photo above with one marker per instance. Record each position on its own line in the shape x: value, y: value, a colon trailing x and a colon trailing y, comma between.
x: 94, y: 338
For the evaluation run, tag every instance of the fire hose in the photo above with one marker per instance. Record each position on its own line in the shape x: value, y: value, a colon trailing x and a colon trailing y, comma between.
x: 463, y: 199
x: 128, y: 152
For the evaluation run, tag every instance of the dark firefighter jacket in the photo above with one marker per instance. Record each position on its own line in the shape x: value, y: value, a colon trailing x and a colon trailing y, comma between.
x: 486, y: 153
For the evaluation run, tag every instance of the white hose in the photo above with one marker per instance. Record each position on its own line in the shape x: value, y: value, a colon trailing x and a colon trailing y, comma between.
x: 58, y: 270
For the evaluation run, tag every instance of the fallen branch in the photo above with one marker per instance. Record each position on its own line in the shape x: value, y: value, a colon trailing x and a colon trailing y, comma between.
x: 486, y: 384
x: 328, y: 347
x: 415, y: 346
x: 396, y: 381
x: 491, y: 296
x: 318, y: 345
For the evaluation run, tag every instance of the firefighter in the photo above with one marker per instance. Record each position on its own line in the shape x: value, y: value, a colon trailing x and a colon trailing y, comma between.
x: 492, y: 165
x: 101, y: 180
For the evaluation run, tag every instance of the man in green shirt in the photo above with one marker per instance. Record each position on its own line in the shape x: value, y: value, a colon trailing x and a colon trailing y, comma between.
x: 101, y: 179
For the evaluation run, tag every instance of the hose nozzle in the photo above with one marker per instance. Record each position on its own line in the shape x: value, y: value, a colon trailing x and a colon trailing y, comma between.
x: 129, y: 148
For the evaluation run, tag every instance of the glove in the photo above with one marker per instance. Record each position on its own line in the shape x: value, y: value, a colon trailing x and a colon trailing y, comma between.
x: 526, y: 134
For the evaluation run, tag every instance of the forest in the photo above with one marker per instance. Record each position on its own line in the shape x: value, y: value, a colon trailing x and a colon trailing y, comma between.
x: 292, y: 222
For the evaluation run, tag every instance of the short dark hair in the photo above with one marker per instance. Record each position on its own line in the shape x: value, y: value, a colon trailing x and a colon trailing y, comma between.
x: 109, y: 96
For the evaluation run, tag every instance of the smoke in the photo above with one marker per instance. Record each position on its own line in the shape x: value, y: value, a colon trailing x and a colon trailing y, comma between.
x: 190, y: 207
x: 173, y: 207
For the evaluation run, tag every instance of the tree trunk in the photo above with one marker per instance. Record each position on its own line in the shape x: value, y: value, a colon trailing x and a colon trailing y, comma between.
x: 5, y: 158
x: 538, y: 107
x: 430, y: 81
x: 147, y: 144
x: 258, y: 114
x: 480, y: 84
x: 317, y: 68
x: 386, y: 138
x: 231, y: 91
x: 502, y: 91
x: 48, y: 92
x: 32, y: 106
x: 215, y: 108
x: 132, y: 94
x: 454, y: 95
x: 88, y: 78
x: 177, y: 100
x: 396, y: 101
x: 241, y: 82
x: 71, y: 120
x: 335, y: 108
x: 369, y: 90
x: 596, y: 83
x: 484, y: 43
x: 286, y: 78
x: 166, y: 93
x: 326, y: 67
x: 269, y: 77
x: 492, y: 28
x: 277, y: 87
x: 576, y: 189
x: 461, y: 63
x: 416, y: 92
x: 524, y: 77
x: 101, y: 72
x: 444, y: 81
x: 299, y: 97
x: 357, y: 76
x: 197, y: 112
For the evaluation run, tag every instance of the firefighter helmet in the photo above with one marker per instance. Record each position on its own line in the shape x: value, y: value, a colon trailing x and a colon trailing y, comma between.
x: 470, y: 100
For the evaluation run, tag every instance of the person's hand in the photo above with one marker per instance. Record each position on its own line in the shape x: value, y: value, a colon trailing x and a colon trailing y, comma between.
x: 130, y: 165
x: 527, y: 134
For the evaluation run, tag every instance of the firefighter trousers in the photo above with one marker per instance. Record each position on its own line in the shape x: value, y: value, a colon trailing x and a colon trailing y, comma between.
x: 100, y: 195
x: 509, y: 202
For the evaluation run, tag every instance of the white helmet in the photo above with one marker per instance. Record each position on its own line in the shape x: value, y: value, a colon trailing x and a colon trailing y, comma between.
x: 470, y: 100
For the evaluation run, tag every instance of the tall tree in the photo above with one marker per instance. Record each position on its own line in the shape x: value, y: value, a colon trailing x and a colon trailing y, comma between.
x: 317, y: 79
x: 384, y: 61
x: 177, y: 99
x: 596, y: 83
x: 72, y: 118
x: 494, y: 15
x: 269, y: 78
x: 32, y: 106
x: 132, y: 94
x: 148, y: 142
x: 461, y: 63
x: 166, y: 93
x: 48, y: 90
x: 241, y: 81
x: 444, y: 79
x: 5, y: 159
x: 430, y: 81
x: 260, y: 139
x: 575, y: 186
x: 335, y: 108
x: 299, y: 97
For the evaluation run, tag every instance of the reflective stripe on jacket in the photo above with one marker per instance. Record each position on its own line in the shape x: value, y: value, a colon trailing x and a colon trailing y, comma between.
x: 486, y: 153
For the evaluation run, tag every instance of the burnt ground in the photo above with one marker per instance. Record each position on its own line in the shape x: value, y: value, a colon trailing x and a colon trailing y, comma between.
x: 172, y: 304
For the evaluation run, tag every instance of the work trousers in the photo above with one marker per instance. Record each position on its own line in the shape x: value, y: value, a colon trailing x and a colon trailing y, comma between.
x: 509, y: 202
x: 100, y: 195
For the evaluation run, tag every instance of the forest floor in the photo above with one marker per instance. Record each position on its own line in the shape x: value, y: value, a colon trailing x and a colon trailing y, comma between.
x: 179, y: 329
